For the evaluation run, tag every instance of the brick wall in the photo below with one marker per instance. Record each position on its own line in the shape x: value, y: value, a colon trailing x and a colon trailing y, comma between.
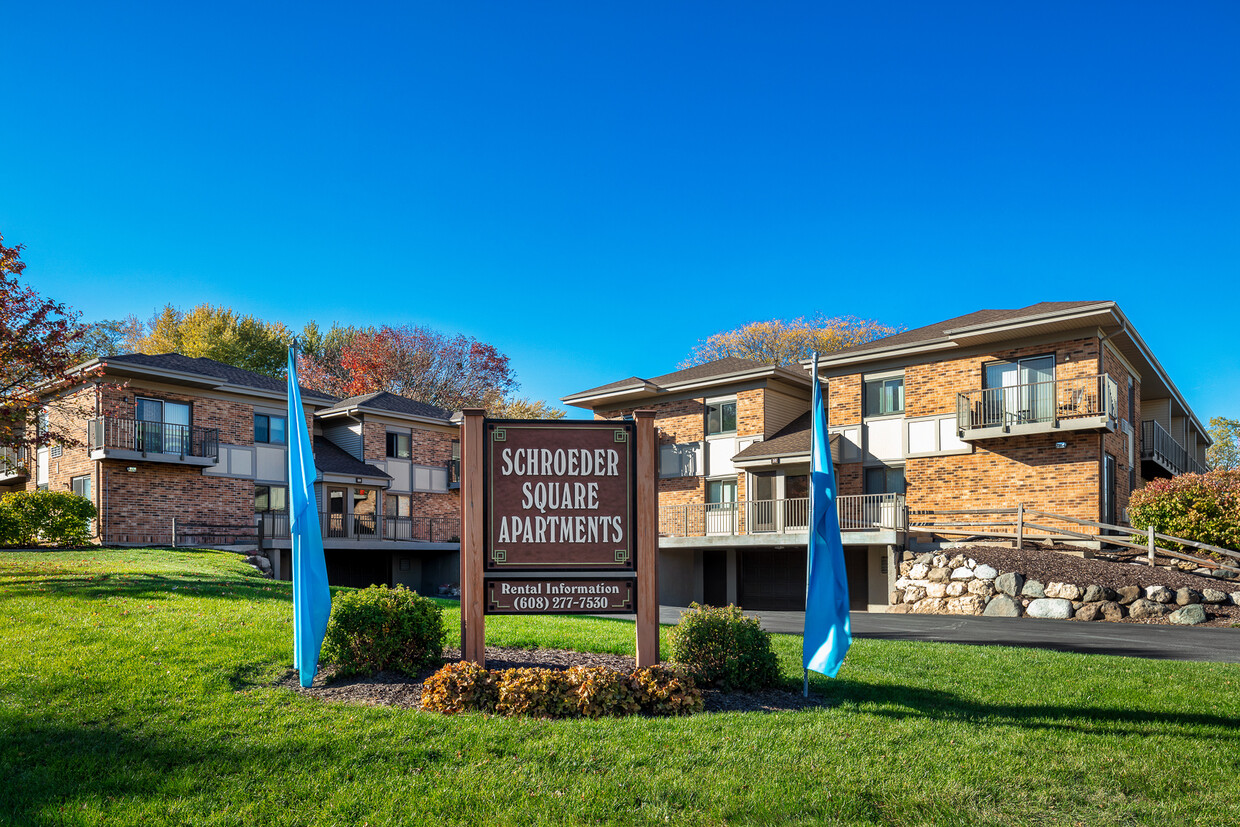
x: 233, y: 419
x: 143, y: 502
x: 844, y: 400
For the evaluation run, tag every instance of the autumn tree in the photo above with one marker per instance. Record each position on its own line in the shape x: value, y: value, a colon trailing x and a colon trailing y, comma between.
x: 520, y: 408
x: 785, y: 342
x: 415, y: 362
x: 219, y: 333
x: 111, y: 337
x: 39, y: 340
x: 1225, y: 452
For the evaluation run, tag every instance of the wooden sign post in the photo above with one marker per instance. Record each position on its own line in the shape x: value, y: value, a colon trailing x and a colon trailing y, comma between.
x: 558, y: 517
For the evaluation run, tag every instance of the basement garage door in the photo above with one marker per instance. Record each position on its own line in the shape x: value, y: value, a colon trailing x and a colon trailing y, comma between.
x: 775, y: 580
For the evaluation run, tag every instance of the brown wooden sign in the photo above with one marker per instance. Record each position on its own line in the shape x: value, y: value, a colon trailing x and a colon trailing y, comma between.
x: 560, y: 596
x: 560, y: 496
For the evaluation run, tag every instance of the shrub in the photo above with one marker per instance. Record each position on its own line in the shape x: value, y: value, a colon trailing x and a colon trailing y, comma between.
x: 664, y: 691
x: 460, y: 687
x: 29, y: 518
x: 380, y: 628
x: 600, y: 691
x: 545, y: 693
x: 722, y: 647
x: 1200, y: 507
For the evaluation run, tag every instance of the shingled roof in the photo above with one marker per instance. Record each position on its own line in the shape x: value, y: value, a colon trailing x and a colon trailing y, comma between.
x: 940, y: 330
x: 384, y: 401
x: 208, y: 369
x: 330, y: 458
x: 719, y: 368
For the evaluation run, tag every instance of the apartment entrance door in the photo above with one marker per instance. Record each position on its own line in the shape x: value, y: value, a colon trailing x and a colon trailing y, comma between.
x: 337, y: 517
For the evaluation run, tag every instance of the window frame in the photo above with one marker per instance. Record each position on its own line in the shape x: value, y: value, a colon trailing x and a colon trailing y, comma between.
x: 398, y: 435
x: 720, y: 405
x: 886, y: 470
x: 269, y: 489
x: 882, y: 382
x: 268, y: 440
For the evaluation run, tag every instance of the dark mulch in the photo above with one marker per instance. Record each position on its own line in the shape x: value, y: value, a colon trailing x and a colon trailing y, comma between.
x: 1051, y: 565
x: 393, y: 689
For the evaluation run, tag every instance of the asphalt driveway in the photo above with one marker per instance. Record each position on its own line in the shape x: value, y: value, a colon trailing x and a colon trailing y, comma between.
x: 1136, y: 640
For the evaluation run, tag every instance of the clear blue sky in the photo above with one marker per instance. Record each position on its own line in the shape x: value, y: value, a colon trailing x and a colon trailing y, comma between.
x: 594, y: 187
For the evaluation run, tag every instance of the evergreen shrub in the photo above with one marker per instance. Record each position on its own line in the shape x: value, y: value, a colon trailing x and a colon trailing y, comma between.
x: 56, y: 518
x: 721, y: 646
x: 380, y: 628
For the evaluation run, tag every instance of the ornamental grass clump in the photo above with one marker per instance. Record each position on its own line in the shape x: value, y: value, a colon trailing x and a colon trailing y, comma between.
x: 380, y: 628
x: 1200, y: 507
x: 460, y: 687
x: 722, y: 647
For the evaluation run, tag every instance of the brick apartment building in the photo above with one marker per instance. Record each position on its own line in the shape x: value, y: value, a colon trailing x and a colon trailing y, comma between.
x: 1059, y: 406
x: 193, y: 451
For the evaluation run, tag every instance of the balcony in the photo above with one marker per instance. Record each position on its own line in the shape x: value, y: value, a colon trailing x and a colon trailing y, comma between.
x: 348, y: 530
x: 115, y: 437
x: 1162, y: 455
x: 1085, y: 404
x: 770, y: 522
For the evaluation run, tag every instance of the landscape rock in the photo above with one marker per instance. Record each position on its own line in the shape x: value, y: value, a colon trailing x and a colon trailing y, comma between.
x: 896, y: 597
x: 1088, y: 611
x: 1003, y: 606
x: 969, y: 604
x: 936, y: 590
x: 1128, y: 594
x: 1213, y: 596
x: 1034, y: 589
x: 924, y: 559
x: 1009, y: 583
x: 259, y: 562
x: 985, y: 572
x: 1184, y: 596
x: 1159, y: 594
x: 939, y: 561
x: 1093, y: 594
x: 1143, y: 609
x: 899, y: 609
x: 962, y: 573
x: 919, y: 571
x: 1112, y: 611
x: 903, y: 583
x: 1235, y: 598
x: 981, y: 588
x: 914, y: 594
x: 956, y: 589
x: 1109, y: 595
x: 971, y: 563
x: 939, y: 575
x: 958, y: 562
x: 1190, y: 615
x: 931, y: 606
x: 1050, y: 608
x: 1068, y: 591
x: 905, y: 566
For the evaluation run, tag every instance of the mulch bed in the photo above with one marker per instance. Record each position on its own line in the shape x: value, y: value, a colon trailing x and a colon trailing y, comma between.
x: 393, y: 689
x: 1052, y: 564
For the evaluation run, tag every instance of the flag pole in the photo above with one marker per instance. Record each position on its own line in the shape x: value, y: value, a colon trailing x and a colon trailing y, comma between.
x: 808, y: 544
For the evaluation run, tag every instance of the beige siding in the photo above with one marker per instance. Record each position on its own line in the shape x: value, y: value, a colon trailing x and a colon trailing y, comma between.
x: 782, y: 409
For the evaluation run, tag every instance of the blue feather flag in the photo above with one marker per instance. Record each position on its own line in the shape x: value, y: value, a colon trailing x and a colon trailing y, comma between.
x: 828, y: 631
x: 312, y: 599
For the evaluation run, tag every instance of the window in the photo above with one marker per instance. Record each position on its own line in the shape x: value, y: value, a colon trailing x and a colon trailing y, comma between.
x: 270, y: 498
x: 1132, y: 401
x: 396, y: 505
x: 398, y: 445
x: 884, y: 396
x: 163, y: 427
x: 721, y: 418
x: 269, y: 429
x: 81, y: 486
x: 884, y: 480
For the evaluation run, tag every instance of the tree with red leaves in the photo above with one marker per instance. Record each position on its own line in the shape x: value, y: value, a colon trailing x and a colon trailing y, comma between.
x: 415, y: 362
x: 39, y: 343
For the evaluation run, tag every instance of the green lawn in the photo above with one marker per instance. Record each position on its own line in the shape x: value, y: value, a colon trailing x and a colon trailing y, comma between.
x: 134, y: 689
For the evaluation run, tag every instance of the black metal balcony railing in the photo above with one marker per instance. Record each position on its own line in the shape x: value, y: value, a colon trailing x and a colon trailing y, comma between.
x: 1161, y: 447
x: 1046, y: 403
x: 275, y: 525
x: 138, y: 435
